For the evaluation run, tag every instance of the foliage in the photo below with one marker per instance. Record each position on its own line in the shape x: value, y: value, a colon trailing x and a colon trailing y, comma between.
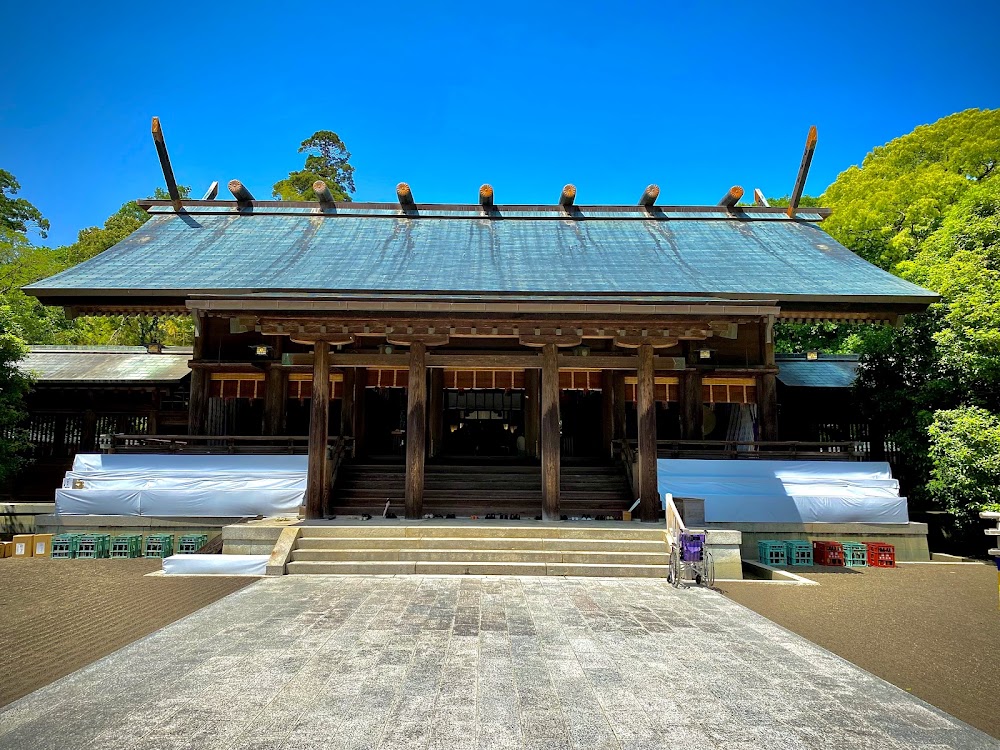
x: 899, y: 195
x: 17, y: 214
x: 14, y: 385
x: 327, y: 161
x: 965, y: 456
x: 828, y: 338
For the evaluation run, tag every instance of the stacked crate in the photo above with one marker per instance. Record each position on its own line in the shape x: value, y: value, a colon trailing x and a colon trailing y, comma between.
x: 126, y: 546
x: 159, y: 545
x: 799, y: 552
x: 828, y: 553
x: 94, y: 546
x: 191, y: 543
x: 855, y: 554
x: 772, y: 553
x: 65, y: 546
x: 881, y: 555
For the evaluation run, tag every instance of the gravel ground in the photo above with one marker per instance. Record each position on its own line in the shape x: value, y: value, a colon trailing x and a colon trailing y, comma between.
x: 59, y: 615
x: 933, y: 630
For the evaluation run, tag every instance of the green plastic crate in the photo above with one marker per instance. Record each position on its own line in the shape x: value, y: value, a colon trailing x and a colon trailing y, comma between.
x: 191, y: 543
x: 855, y: 554
x: 159, y: 545
x: 65, y: 546
x: 799, y: 552
x: 94, y: 546
x: 126, y: 546
x: 772, y: 553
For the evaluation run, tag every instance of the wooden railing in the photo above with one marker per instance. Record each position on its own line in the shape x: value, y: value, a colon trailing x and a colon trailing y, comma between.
x: 675, y: 524
x: 230, y: 444
x: 758, y: 449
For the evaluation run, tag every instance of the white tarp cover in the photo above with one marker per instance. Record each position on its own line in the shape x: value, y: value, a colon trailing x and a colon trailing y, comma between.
x: 183, y: 485
x: 217, y: 565
x: 760, y: 491
x: 187, y: 463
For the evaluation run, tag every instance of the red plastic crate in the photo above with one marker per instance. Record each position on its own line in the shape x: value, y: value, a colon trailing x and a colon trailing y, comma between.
x: 881, y: 555
x: 828, y: 553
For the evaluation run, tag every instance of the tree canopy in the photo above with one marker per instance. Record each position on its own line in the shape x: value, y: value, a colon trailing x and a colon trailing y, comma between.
x: 17, y: 214
x: 327, y: 160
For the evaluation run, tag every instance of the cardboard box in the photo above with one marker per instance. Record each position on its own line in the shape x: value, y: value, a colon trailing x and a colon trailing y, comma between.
x: 3, y: 549
x: 42, y: 545
x: 23, y: 546
x: 8, y: 549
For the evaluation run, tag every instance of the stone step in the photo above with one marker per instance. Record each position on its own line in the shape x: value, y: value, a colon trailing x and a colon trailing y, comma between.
x: 489, y: 530
x: 508, y: 543
x: 465, y: 568
x: 479, y: 555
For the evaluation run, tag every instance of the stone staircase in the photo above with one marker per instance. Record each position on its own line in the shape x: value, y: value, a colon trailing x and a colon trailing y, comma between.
x: 484, y: 548
x: 466, y: 489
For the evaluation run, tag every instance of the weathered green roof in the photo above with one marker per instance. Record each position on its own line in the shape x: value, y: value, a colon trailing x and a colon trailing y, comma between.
x: 380, y: 249
x: 105, y: 364
x: 826, y: 372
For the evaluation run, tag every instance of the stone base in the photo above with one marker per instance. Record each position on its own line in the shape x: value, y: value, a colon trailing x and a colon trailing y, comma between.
x: 909, y: 539
x: 19, y: 518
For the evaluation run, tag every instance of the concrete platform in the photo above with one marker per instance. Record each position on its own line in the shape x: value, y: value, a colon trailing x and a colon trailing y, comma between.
x: 352, y: 662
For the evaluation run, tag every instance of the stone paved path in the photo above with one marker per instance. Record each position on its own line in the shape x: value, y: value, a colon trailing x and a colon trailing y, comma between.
x: 419, y: 662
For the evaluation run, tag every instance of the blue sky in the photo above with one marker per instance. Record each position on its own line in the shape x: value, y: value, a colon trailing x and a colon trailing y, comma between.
x: 446, y: 96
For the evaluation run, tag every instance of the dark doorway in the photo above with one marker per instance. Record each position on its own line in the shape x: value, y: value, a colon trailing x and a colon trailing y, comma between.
x: 582, y: 434
x: 385, y: 421
x: 485, y: 422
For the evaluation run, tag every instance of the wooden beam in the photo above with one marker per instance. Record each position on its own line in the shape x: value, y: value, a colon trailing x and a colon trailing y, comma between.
x: 435, y: 416
x: 212, y: 192
x: 168, y: 171
x: 800, y: 179
x: 416, y: 426
x: 692, y: 409
x: 486, y: 196
x: 618, y: 389
x: 407, y: 339
x: 656, y: 342
x: 317, y: 490
x: 557, y: 339
x: 405, y: 195
x: 607, y: 411
x: 322, y: 190
x: 649, y: 195
x: 649, y: 495
x: 484, y: 361
x: 767, y: 406
x: 275, y: 398
x: 532, y: 412
x: 350, y: 392
x: 567, y: 196
x: 200, y: 380
x: 360, y: 383
x: 732, y: 197
x: 759, y: 199
x: 240, y: 193
x: 551, y: 439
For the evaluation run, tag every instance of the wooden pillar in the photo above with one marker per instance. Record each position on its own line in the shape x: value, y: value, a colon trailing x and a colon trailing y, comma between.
x: 88, y: 433
x: 347, y: 403
x: 618, y: 389
x: 416, y: 426
x: 649, y: 494
x: 360, y: 389
x: 435, y: 415
x: 692, y: 406
x: 317, y: 489
x: 550, y: 432
x: 532, y: 412
x: 200, y: 381
x: 607, y: 412
x: 767, y: 406
x: 275, y: 399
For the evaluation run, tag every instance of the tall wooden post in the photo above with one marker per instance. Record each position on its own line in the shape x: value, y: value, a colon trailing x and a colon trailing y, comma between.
x: 550, y: 432
x: 692, y: 406
x: 360, y: 390
x: 607, y: 411
x: 435, y: 412
x: 532, y: 412
x: 649, y: 494
x: 767, y: 385
x: 347, y: 403
x: 767, y: 406
x: 416, y: 426
x: 317, y: 490
x: 618, y: 389
x: 275, y: 399
x: 198, y: 399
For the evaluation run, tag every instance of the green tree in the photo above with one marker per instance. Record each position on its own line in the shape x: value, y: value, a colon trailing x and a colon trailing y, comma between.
x: 965, y: 457
x: 14, y: 386
x: 17, y: 214
x: 899, y: 195
x: 327, y: 160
